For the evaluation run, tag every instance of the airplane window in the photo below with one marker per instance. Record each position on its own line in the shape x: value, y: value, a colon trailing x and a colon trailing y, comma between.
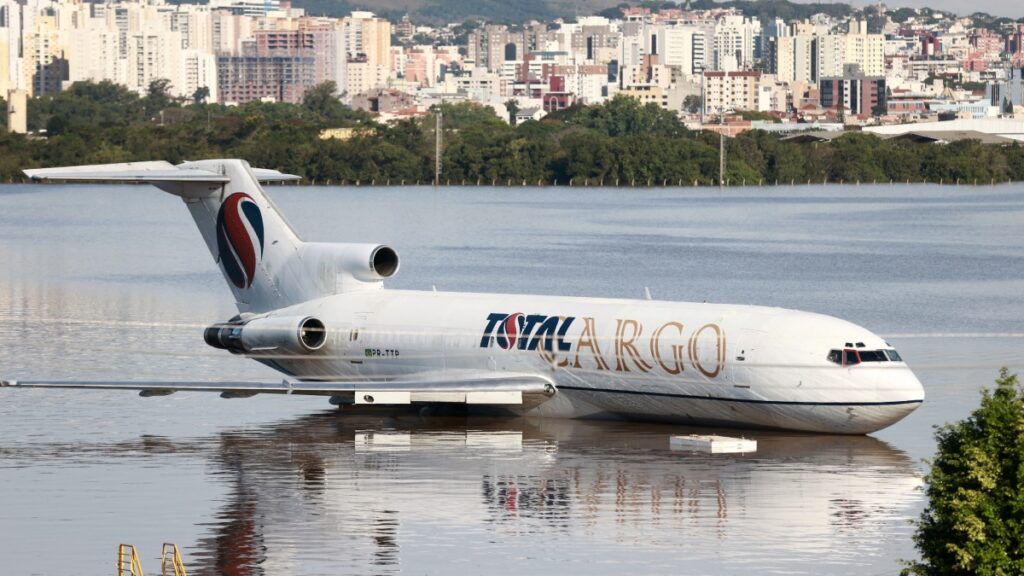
x: 873, y: 356
x: 851, y: 358
x: 835, y: 356
x: 894, y: 356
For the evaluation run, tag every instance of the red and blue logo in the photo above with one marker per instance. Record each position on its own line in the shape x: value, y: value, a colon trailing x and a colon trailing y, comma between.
x: 240, y: 238
x: 509, y: 330
x: 518, y: 331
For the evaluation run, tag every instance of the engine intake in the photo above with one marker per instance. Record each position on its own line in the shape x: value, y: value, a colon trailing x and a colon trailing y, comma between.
x: 384, y: 261
x: 279, y: 335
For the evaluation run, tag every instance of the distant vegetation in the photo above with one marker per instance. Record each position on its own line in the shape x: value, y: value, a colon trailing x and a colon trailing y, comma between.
x: 619, y: 141
x: 439, y: 12
x: 768, y: 10
x: 973, y: 521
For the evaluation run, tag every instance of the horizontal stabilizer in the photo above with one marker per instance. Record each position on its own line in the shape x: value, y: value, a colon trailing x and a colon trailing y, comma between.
x: 268, y: 175
x: 157, y: 171
x: 475, y: 389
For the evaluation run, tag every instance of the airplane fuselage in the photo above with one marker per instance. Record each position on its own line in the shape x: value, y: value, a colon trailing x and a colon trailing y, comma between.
x: 684, y: 362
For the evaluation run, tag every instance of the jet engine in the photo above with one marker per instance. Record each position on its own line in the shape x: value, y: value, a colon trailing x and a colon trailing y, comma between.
x: 368, y: 262
x: 277, y: 335
x: 335, y: 268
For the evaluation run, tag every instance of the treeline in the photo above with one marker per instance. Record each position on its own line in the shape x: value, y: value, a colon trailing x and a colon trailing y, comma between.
x: 620, y: 141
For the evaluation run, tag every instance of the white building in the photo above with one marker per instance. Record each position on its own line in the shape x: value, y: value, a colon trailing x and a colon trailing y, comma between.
x: 734, y: 41
x: 685, y: 47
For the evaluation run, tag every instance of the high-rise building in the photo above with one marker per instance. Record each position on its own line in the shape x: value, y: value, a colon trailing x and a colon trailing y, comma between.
x: 795, y: 58
x: 859, y: 94
x: 367, y: 41
x: 314, y: 37
x: 730, y: 91
x: 684, y: 47
x: 808, y: 54
x: 490, y: 46
x: 987, y: 42
x: 1007, y: 91
x: 45, y: 67
x: 1015, y: 45
x: 736, y: 42
x: 278, y: 78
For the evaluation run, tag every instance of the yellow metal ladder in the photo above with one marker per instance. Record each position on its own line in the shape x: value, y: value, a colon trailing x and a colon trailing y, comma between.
x: 171, y: 557
x: 128, y: 563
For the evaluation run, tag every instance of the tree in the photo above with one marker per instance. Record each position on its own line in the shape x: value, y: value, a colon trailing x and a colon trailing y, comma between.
x: 512, y: 105
x: 158, y: 96
x: 200, y: 95
x: 321, y: 98
x: 974, y: 521
x: 1007, y: 106
x: 692, y: 103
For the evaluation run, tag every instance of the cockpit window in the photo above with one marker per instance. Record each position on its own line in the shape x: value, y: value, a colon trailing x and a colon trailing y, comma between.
x: 852, y: 356
x: 873, y: 356
x: 835, y: 357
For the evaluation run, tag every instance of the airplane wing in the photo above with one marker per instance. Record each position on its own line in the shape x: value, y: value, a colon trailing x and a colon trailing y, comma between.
x: 485, y: 388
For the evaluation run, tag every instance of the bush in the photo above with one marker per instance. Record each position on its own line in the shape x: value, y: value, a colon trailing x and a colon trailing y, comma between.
x: 974, y: 521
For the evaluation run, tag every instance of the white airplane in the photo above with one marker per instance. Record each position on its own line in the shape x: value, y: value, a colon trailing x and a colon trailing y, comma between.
x: 318, y: 313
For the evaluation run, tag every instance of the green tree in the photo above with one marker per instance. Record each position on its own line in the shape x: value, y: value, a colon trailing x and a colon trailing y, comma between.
x: 624, y: 116
x: 692, y: 103
x: 974, y: 521
x: 158, y: 96
x: 512, y: 105
x: 200, y: 95
x: 322, y: 99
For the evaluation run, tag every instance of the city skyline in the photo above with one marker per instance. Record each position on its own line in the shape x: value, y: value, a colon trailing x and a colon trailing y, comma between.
x: 691, y: 62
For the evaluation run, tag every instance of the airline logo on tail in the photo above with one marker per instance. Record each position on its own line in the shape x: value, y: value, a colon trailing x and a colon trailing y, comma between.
x: 240, y: 238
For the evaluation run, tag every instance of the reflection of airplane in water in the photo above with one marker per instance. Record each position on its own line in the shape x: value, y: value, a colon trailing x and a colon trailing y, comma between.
x: 317, y: 313
x: 361, y: 494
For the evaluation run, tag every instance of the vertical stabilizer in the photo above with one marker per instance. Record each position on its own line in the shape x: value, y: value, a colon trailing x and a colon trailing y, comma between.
x: 265, y: 263
x: 247, y: 235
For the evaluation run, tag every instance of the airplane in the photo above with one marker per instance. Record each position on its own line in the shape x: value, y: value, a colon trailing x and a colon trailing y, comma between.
x: 319, y: 314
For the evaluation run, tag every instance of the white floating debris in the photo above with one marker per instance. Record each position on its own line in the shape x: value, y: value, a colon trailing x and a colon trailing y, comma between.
x: 713, y: 444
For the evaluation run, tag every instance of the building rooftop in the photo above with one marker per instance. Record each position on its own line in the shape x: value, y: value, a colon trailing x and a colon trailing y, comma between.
x: 999, y: 126
x: 942, y: 136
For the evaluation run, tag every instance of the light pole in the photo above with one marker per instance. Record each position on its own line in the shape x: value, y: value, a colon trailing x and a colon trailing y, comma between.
x: 437, y: 145
x: 721, y: 149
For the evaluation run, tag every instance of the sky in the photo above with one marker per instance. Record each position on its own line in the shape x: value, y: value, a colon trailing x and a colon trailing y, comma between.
x: 1011, y: 8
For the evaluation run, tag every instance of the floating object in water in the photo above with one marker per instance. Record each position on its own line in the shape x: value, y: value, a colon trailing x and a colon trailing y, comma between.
x: 711, y: 444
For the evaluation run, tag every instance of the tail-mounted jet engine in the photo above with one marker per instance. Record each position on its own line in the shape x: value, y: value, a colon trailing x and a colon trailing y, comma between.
x: 346, y: 267
x: 280, y: 335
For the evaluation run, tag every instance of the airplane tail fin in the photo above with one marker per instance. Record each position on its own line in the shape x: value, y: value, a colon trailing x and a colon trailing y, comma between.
x: 254, y: 245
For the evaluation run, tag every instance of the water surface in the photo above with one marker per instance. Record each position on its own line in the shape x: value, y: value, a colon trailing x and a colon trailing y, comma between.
x: 115, y: 282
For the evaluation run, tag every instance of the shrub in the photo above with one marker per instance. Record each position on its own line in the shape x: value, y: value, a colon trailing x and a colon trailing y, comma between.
x: 974, y: 521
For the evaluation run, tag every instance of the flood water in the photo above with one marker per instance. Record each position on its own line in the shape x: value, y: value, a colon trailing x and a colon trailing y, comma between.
x: 115, y: 282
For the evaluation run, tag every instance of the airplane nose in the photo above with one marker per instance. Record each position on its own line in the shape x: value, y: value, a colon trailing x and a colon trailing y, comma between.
x: 903, y: 385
